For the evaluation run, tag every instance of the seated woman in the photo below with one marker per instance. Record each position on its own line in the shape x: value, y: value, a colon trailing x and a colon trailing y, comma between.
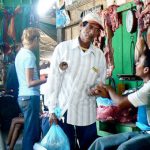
x: 14, y: 131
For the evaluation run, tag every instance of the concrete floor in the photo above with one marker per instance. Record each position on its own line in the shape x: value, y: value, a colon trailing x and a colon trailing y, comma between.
x: 18, y: 143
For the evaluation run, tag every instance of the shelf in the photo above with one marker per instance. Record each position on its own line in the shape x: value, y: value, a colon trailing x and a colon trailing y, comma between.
x: 108, y: 128
x: 128, y: 77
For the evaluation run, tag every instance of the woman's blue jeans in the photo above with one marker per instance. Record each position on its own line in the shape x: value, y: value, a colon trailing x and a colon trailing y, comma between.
x: 30, y: 107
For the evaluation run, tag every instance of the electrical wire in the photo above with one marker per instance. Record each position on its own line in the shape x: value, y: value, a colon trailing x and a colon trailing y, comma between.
x: 132, y: 55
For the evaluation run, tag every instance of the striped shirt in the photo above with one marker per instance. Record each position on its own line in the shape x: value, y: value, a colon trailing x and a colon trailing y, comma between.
x: 68, y: 88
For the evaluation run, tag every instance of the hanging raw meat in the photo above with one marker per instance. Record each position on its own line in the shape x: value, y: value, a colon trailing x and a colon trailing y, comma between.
x: 111, y: 23
x: 139, y: 48
x: 143, y: 16
x: 148, y: 37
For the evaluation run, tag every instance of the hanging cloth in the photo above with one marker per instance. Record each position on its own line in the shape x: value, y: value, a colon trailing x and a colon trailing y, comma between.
x: 11, y: 28
x: 5, y: 21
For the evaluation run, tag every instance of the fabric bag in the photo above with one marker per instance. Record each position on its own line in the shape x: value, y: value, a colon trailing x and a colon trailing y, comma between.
x: 55, y: 139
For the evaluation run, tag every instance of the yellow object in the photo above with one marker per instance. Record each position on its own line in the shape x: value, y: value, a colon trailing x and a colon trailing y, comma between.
x: 121, y: 88
x: 95, y: 69
x: 84, y: 49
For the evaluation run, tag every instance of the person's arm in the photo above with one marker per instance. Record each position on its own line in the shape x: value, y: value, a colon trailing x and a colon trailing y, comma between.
x: 121, y: 101
x: 30, y: 81
x: 53, y: 119
x: 54, y: 82
x: 31, y: 73
x: 107, y: 91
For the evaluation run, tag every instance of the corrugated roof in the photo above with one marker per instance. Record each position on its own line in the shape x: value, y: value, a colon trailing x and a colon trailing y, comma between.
x: 47, y: 46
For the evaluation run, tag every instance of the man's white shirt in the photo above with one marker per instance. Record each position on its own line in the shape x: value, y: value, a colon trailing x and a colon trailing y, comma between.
x: 68, y: 88
x: 142, y: 97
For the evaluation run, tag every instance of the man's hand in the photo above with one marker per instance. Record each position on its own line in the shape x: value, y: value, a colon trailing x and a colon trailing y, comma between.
x: 53, y: 119
x: 99, y: 90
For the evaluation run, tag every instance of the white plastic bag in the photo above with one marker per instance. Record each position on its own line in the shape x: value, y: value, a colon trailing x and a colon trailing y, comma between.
x: 38, y: 146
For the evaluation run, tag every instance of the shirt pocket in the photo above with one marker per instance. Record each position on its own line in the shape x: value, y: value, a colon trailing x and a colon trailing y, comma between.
x: 93, y: 75
x: 24, y: 102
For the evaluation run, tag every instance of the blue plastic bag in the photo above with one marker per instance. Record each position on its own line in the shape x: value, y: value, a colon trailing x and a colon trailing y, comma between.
x: 104, y: 102
x: 55, y: 139
x: 45, y: 125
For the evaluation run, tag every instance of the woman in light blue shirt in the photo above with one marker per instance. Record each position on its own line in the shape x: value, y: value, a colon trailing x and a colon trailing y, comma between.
x: 29, y: 90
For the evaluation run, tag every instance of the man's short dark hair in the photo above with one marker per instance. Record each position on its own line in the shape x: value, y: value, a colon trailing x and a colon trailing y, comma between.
x: 147, y: 57
x: 85, y: 23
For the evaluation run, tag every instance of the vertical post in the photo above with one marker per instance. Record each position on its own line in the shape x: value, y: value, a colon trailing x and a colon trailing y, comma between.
x: 60, y: 35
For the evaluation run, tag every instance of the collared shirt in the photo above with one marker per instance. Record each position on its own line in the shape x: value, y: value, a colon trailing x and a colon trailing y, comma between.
x: 26, y: 59
x: 142, y: 98
x: 68, y: 88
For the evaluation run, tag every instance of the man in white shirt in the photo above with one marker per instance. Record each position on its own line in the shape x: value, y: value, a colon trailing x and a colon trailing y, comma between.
x: 76, y: 66
x: 141, y: 99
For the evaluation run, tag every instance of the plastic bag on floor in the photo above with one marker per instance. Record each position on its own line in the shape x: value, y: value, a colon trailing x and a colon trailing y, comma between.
x: 55, y: 139
x: 38, y: 146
